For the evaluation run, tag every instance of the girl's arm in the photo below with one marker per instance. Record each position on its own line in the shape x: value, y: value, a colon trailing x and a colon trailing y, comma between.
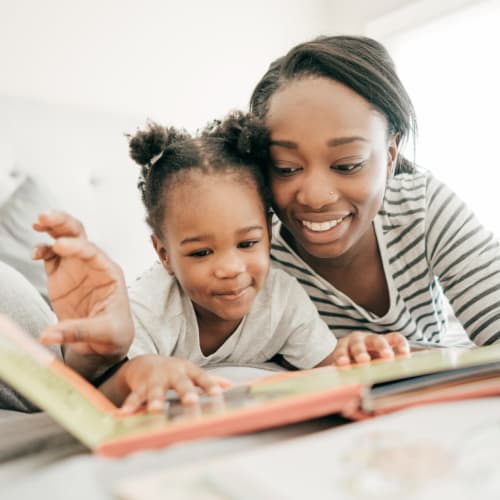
x: 88, y: 294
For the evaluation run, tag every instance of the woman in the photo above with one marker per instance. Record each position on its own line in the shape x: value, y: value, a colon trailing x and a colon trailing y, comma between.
x: 374, y: 241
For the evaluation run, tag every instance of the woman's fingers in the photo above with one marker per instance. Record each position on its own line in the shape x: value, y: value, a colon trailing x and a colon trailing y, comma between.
x: 399, y: 343
x: 341, y: 353
x: 361, y: 347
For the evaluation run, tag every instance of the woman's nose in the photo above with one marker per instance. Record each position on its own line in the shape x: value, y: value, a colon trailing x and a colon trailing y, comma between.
x: 317, y: 191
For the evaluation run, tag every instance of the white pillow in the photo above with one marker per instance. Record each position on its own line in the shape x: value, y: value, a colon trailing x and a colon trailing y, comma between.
x: 10, y: 176
x: 17, y: 237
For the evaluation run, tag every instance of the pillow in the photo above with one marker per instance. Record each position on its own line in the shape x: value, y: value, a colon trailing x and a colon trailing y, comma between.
x: 17, y: 237
x: 9, y: 173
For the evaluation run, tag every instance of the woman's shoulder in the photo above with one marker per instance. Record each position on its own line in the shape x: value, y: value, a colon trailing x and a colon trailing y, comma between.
x: 408, y: 195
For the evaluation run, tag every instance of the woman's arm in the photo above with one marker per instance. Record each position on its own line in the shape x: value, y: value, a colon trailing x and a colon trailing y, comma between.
x: 466, y: 259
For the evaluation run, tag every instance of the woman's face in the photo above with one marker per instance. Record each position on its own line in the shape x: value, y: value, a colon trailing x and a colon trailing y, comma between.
x: 331, y: 160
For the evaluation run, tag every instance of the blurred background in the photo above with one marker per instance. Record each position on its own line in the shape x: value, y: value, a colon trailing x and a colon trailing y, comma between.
x: 75, y: 76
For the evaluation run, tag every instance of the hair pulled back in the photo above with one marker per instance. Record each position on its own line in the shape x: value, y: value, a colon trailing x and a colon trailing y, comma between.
x: 237, y: 145
x: 360, y: 63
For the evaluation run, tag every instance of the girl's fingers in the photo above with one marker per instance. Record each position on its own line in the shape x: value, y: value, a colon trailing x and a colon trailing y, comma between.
x: 58, y: 223
x: 134, y: 400
x: 205, y: 381
x: 184, y: 387
x: 43, y: 252
x: 72, y: 331
x: 156, y: 396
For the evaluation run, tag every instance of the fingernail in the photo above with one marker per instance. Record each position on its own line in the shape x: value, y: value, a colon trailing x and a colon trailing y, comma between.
x: 215, y: 390
x: 126, y: 409
x: 362, y: 358
x: 156, y: 405
x: 34, y: 253
x: 52, y: 338
x: 342, y: 360
x: 190, y: 398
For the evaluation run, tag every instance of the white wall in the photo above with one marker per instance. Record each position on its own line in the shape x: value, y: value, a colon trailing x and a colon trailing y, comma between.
x: 177, y: 62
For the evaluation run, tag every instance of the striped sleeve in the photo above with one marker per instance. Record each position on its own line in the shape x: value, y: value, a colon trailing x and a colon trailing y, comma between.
x: 466, y: 259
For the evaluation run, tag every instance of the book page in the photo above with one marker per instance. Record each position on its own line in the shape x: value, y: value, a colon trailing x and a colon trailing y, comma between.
x: 448, y: 450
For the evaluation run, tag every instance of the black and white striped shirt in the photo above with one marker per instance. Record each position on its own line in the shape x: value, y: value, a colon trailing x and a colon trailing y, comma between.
x: 430, y: 242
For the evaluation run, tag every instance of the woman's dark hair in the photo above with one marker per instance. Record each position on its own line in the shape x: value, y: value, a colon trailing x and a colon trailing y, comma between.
x: 360, y: 63
x: 238, y: 145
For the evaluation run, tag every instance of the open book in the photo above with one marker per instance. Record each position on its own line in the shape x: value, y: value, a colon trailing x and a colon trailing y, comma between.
x: 276, y: 400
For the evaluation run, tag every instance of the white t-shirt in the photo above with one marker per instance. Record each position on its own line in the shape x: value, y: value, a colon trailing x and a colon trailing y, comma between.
x: 282, y: 320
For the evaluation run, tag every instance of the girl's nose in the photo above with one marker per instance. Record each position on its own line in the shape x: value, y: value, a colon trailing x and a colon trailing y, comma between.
x: 229, y: 265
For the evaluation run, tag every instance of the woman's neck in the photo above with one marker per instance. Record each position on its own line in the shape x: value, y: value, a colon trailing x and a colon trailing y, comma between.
x: 358, y: 273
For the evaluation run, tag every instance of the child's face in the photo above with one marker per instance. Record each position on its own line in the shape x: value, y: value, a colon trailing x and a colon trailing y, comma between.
x: 216, y: 243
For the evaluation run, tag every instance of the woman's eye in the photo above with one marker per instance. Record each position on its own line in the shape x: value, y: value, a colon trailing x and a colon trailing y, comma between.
x: 284, y: 171
x: 200, y: 253
x: 349, y: 167
x: 248, y: 244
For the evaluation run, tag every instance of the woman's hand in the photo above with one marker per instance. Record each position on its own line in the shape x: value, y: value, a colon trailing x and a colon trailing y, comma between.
x: 88, y: 294
x: 145, y: 380
x: 362, y: 347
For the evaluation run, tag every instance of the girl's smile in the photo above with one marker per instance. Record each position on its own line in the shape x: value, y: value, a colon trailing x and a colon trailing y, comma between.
x: 217, y: 244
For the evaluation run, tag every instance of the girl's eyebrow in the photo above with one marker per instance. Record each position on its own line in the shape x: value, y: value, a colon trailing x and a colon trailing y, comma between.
x: 338, y: 141
x: 203, y: 237
x: 284, y: 144
x: 195, y: 239
x: 250, y: 228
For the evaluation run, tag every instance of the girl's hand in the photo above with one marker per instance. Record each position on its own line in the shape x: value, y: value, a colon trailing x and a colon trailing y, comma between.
x: 362, y: 347
x: 88, y: 294
x: 146, y: 380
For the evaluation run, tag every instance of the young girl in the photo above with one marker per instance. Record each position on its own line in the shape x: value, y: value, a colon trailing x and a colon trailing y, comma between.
x: 212, y: 298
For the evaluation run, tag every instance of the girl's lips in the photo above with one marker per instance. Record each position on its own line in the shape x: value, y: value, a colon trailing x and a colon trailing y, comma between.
x: 231, y: 295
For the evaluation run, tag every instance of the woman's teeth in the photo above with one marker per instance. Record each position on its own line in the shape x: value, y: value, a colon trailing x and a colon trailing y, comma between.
x: 321, y: 226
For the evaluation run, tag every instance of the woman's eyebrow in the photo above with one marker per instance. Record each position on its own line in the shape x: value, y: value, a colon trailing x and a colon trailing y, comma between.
x: 339, y: 141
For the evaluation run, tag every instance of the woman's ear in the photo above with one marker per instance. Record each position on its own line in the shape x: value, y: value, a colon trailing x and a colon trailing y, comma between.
x: 392, y: 153
x: 161, y: 251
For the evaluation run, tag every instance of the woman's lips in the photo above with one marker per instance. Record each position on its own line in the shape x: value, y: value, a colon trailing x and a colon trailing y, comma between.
x: 321, y: 226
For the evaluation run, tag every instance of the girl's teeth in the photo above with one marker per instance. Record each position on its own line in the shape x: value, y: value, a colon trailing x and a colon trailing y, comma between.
x: 320, y: 226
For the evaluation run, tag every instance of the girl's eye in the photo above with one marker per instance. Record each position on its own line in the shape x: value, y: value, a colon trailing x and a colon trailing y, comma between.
x: 349, y: 168
x: 248, y: 244
x: 284, y: 171
x: 200, y: 253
